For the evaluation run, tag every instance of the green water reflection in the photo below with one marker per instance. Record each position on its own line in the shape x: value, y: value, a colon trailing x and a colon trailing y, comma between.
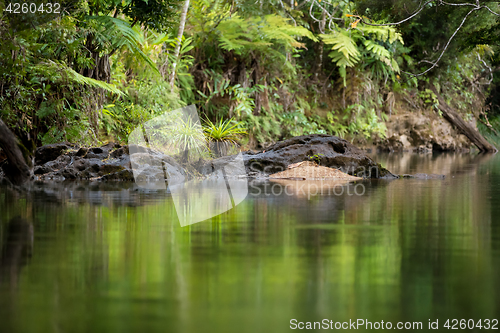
x: 87, y: 258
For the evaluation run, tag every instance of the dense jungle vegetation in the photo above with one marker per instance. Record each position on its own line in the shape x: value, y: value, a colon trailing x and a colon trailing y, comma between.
x: 266, y: 69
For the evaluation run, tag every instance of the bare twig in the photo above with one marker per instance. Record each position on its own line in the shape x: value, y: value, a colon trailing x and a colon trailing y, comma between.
x: 487, y: 122
x: 447, y: 44
x: 489, y: 68
x: 402, y: 21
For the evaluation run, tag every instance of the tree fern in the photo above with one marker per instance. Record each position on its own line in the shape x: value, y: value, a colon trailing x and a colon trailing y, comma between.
x: 127, y: 36
x: 257, y: 33
x: 367, y: 42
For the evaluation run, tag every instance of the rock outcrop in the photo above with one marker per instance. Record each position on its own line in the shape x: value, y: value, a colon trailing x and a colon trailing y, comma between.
x: 422, y: 131
x: 66, y: 161
x: 325, y: 150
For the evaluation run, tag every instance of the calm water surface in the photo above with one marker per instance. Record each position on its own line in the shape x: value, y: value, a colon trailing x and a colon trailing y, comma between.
x: 108, y: 258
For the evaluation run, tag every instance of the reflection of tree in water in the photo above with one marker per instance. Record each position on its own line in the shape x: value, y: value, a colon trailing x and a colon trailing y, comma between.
x: 17, y: 248
x: 407, y: 239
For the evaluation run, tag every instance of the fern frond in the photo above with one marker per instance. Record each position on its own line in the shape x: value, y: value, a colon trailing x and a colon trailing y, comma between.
x: 130, y: 38
x: 382, y: 33
x: 340, y: 60
x: 346, y: 52
x: 376, y: 49
x: 279, y: 28
x: 256, y: 33
x: 58, y: 71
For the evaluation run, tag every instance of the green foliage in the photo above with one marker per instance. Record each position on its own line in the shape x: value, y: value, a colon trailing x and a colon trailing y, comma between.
x: 264, y: 128
x: 223, y: 130
x: 491, y: 133
x: 153, y: 14
x: 144, y: 101
x: 316, y: 158
x: 188, y: 136
x: 124, y: 36
x: 345, y: 51
x: 278, y: 68
x: 296, y: 124
x: 58, y: 72
x: 223, y: 135
x: 364, y: 43
x: 429, y: 98
x: 258, y: 34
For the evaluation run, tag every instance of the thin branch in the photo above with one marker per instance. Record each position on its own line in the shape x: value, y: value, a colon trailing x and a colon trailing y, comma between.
x: 289, y: 14
x: 459, y: 4
x: 494, y: 13
x: 447, y: 44
x: 311, y: 14
x: 487, y: 123
x: 323, y: 9
x: 330, y: 15
x: 489, y: 68
x: 402, y: 21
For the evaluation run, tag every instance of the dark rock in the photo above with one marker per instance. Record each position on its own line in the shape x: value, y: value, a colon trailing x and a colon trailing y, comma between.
x: 81, y: 164
x: 109, y: 162
x: 119, y: 152
x: 123, y: 175
x: 106, y: 169
x: 48, y: 153
x: 69, y: 173
x: 88, y: 174
x: 59, y: 163
x: 40, y: 170
x: 82, y: 152
x: 326, y: 150
x: 114, y: 162
x: 96, y: 153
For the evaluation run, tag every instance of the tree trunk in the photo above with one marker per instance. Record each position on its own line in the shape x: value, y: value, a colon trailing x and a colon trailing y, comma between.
x: 16, y: 250
x: 466, y: 129
x: 101, y: 71
x: 17, y: 170
x: 256, y: 78
x: 102, y: 68
x: 319, y: 64
x: 179, y: 42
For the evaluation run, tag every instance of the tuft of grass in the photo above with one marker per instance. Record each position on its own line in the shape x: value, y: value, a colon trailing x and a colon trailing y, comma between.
x: 222, y: 134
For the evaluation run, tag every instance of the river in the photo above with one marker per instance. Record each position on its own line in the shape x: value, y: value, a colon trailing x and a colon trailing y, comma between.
x: 108, y: 258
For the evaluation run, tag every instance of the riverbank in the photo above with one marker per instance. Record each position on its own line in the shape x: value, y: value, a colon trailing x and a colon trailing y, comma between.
x: 67, y: 161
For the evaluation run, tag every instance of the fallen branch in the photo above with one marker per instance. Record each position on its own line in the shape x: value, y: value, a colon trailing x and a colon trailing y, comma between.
x: 463, y: 127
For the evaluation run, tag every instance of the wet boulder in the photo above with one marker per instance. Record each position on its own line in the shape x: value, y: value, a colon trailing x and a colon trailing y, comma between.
x: 325, y: 150
x: 48, y: 153
x: 108, y: 162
